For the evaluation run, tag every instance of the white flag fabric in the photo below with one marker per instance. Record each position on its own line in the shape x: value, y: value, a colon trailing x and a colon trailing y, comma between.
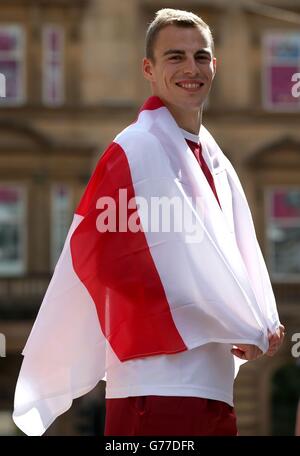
x: 125, y: 280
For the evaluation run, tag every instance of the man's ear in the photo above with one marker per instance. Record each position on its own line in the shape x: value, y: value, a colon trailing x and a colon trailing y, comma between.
x: 148, y: 69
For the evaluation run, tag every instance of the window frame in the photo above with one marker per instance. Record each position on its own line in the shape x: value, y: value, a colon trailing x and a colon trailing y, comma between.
x: 265, y: 80
x: 21, y: 268
x: 54, y: 250
x: 21, y: 79
x: 275, y: 276
x: 46, y: 57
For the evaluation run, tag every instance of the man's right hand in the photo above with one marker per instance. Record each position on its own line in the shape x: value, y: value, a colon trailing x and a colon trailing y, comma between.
x: 247, y: 351
x: 251, y: 352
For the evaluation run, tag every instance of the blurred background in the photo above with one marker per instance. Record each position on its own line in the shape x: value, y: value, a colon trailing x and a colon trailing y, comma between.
x: 73, y: 81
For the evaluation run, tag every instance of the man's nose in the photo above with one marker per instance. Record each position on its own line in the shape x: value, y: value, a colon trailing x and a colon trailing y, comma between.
x: 190, y: 66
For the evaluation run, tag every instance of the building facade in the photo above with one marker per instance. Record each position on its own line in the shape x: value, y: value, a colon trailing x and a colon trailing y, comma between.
x: 72, y: 81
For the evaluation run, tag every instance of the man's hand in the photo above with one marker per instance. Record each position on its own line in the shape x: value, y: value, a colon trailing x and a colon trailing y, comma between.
x: 247, y: 351
x: 275, y: 340
x: 251, y: 352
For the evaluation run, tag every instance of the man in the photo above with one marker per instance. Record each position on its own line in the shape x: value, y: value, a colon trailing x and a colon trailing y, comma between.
x: 180, y: 66
x: 177, y: 308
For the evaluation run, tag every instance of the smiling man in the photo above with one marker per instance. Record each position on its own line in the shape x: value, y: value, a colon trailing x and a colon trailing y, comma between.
x: 188, y: 393
x: 167, y: 315
x: 180, y: 65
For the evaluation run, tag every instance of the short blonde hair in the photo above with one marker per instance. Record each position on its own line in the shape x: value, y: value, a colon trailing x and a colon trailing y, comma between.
x: 169, y: 16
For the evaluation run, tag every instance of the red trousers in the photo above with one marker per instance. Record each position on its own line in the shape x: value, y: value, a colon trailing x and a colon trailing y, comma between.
x: 168, y: 415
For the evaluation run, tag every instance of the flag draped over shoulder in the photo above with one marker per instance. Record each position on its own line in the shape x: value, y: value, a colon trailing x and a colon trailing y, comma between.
x: 144, y: 291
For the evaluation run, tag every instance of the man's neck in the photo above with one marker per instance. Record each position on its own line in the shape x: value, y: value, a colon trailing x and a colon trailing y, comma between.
x: 188, y: 120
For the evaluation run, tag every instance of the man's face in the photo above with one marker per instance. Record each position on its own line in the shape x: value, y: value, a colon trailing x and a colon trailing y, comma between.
x: 183, y: 68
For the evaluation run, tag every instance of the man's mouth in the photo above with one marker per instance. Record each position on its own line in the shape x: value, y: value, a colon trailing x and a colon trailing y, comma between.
x: 190, y: 85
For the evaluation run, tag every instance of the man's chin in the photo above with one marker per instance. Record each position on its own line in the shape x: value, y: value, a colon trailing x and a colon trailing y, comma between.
x: 192, y: 102
x: 192, y: 105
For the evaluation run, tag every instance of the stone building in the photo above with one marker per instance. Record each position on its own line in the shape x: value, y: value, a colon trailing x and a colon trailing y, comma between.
x: 73, y: 81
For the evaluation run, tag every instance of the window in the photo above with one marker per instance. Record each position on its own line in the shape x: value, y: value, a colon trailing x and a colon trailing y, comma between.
x: 12, y: 230
x: 283, y: 232
x: 12, y: 63
x: 281, y: 60
x: 53, y: 84
x: 61, y: 217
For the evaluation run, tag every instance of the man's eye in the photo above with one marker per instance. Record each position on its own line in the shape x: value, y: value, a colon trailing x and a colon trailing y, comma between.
x: 175, y: 57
